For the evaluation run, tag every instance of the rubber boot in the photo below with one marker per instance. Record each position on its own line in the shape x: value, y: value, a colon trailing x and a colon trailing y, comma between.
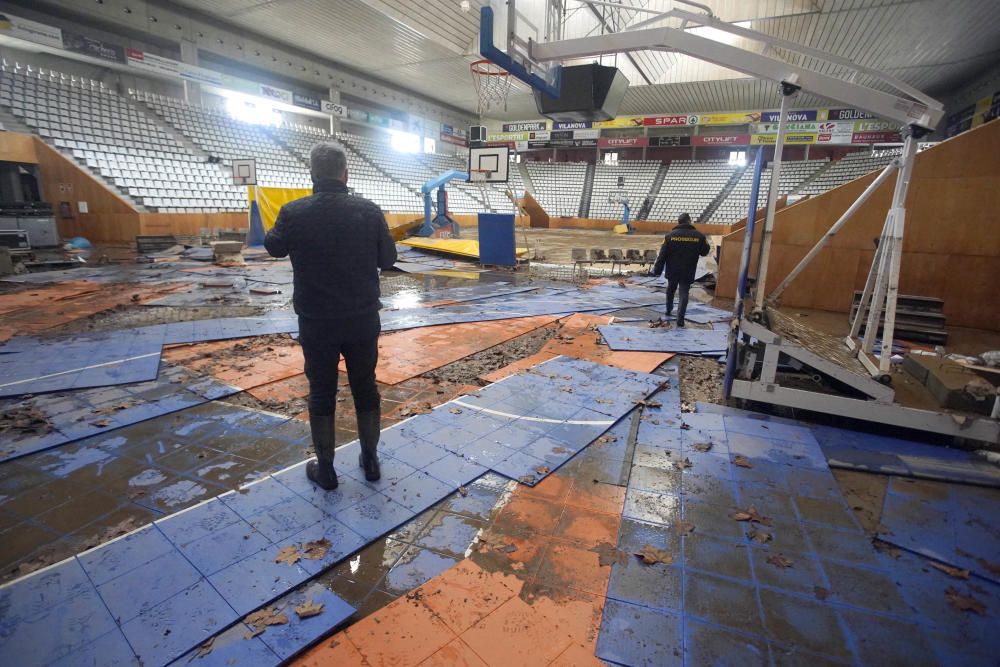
x: 321, y: 471
x: 369, y: 425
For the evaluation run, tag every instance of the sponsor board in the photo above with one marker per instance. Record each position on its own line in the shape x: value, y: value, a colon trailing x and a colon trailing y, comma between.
x: 539, y: 136
x: 528, y: 126
x: 740, y: 118
x: 306, y: 102
x: 824, y: 126
x: 576, y: 125
x: 792, y: 138
x: 622, y: 121
x: 669, y: 121
x: 798, y: 115
x: 721, y: 140
x: 622, y: 142
x: 333, y: 108
x: 31, y: 31
x: 876, y: 126
x: 586, y: 134
x: 508, y: 136
x: 561, y: 135
x: 95, y: 48
x: 154, y: 64
x: 276, y: 94
x: 876, y: 138
x: 848, y: 114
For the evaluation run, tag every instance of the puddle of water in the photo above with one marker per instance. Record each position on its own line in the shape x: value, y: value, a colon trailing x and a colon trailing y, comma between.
x: 73, y: 461
x: 147, y: 478
x: 179, y: 493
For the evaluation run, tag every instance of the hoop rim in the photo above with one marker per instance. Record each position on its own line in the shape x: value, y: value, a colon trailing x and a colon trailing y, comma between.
x: 486, y: 62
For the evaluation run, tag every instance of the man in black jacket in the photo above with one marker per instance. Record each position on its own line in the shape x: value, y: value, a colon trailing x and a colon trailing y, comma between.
x: 337, y: 243
x: 679, y: 255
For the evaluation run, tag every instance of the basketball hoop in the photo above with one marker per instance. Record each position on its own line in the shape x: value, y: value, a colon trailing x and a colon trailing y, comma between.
x: 479, y: 175
x: 492, y: 84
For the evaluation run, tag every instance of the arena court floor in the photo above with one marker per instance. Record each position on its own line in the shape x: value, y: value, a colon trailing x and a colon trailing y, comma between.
x: 481, y: 569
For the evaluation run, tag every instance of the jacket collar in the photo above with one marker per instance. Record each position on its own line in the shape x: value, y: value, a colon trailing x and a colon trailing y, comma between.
x: 329, y: 185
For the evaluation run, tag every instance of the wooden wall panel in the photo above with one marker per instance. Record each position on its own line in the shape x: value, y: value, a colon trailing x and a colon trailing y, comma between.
x: 16, y: 147
x: 190, y: 224
x: 951, y: 243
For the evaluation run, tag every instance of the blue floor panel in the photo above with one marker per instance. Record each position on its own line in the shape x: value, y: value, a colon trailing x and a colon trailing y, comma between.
x: 663, y: 340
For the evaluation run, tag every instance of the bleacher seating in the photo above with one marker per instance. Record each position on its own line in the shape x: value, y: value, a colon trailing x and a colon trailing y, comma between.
x: 104, y: 132
x: 793, y: 174
x: 850, y: 167
x: 558, y: 186
x: 229, y: 139
x: 689, y: 187
x: 639, y: 176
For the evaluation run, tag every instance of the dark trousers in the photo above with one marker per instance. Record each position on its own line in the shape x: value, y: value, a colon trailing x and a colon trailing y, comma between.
x: 672, y: 287
x: 323, y: 342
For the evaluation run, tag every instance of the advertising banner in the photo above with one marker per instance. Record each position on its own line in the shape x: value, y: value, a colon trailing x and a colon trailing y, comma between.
x: 670, y: 141
x: 799, y: 115
x: 508, y: 136
x: 847, y: 114
x: 827, y: 126
x: 580, y: 125
x: 306, y: 102
x: 876, y: 126
x: 796, y: 138
x: 876, y: 138
x: 152, y: 63
x: 358, y: 114
x: 333, y: 108
x: 529, y: 126
x: 622, y: 142
x: 621, y: 121
x: 740, y: 118
x: 586, y: 134
x: 721, y: 140
x: 276, y: 94
x: 561, y: 135
x: 668, y: 121
x: 538, y: 144
x: 94, y: 48
x: 31, y: 31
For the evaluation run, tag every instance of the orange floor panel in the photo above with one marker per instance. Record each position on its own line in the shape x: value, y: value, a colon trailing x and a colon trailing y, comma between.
x: 407, y: 354
x: 242, y: 362
x: 578, y: 337
x: 42, y: 296
x: 531, y: 593
x: 57, y: 312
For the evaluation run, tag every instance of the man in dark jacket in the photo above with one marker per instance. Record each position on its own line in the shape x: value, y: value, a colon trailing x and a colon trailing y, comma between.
x: 337, y: 243
x: 679, y: 255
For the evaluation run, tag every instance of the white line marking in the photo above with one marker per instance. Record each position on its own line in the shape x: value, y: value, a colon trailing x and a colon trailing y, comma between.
x: 533, y: 419
x: 84, y: 368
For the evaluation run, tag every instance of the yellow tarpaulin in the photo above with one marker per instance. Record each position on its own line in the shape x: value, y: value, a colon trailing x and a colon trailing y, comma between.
x: 460, y: 247
x: 270, y: 201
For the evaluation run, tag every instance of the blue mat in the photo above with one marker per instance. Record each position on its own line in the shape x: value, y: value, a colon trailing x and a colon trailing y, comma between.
x: 689, y: 341
x: 951, y: 523
x: 81, y: 414
x: 797, y: 580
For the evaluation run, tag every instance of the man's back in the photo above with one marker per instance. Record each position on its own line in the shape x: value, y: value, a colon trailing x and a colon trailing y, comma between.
x: 337, y: 242
x: 680, y: 252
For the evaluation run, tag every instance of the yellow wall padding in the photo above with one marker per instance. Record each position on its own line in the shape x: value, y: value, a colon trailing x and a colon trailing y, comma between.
x: 270, y: 201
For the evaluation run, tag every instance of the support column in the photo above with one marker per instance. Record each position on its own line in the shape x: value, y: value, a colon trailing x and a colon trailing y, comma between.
x: 189, y: 56
x: 334, y: 96
x: 787, y: 92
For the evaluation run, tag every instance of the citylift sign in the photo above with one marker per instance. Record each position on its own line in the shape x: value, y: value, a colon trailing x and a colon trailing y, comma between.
x: 721, y: 140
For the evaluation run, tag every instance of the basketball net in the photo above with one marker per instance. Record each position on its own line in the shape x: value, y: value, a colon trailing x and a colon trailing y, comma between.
x: 492, y: 84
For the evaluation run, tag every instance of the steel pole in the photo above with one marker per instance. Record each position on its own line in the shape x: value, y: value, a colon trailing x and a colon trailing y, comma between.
x: 848, y: 214
x: 896, y: 247
x: 772, y: 198
x: 741, y: 284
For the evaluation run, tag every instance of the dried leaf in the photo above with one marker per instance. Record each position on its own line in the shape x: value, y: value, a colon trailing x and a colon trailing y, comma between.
x: 455, y: 411
x: 992, y: 568
x: 462, y: 491
x: 262, y: 618
x: 702, y: 446
x: 289, y: 555
x: 886, y: 548
x: 609, y: 554
x: 821, y: 593
x: 568, y: 389
x: 742, y: 461
x: 526, y: 479
x: 316, y: 550
x: 683, y: 465
x: 751, y: 515
x: 956, y: 572
x: 543, y: 470
x: 253, y: 633
x: 517, y: 566
x: 649, y: 403
x: 604, y: 401
x: 309, y: 609
x: 205, y: 648
x: 651, y: 555
x: 685, y: 427
x: 964, y: 602
x: 779, y: 561
x: 761, y: 536
x: 685, y: 527
x: 101, y: 423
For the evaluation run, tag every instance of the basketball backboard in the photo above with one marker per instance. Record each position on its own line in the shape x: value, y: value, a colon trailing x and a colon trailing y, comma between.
x: 489, y: 164
x: 509, y: 28
x: 245, y: 172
